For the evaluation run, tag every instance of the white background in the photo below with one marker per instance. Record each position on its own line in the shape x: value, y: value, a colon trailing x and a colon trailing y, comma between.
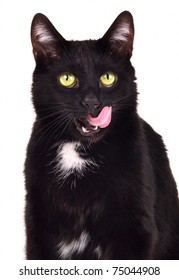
x: 155, y: 57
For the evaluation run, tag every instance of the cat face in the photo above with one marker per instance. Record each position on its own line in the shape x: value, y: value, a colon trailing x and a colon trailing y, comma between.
x: 81, y: 88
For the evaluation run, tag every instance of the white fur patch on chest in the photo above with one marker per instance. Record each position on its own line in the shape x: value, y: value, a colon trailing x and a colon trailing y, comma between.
x: 69, y: 160
x: 66, y: 250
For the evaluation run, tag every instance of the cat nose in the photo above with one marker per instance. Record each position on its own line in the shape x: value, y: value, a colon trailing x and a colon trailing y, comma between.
x: 91, y: 103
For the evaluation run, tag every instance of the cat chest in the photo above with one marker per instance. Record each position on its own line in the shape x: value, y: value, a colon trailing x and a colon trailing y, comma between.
x: 72, y: 158
x: 79, y: 247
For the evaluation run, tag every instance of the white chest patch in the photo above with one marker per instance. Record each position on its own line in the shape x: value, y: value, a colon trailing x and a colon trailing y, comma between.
x: 66, y: 250
x: 70, y: 161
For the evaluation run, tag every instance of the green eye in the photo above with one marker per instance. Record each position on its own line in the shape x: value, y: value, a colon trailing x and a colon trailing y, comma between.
x: 108, y: 79
x: 67, y: 79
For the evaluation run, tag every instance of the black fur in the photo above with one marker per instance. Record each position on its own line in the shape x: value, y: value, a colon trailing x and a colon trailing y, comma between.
x: 128, y: 202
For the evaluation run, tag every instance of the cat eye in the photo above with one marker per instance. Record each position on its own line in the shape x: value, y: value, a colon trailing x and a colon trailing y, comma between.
x: 67, y: 79
x: 108, y: 79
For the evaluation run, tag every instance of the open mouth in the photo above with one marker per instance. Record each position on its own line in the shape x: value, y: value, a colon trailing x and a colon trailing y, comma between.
x: 85, y: 128
x: 88, y: 126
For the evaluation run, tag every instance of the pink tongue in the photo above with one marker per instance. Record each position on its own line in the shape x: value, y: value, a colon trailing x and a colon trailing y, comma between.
x: 103, y: 119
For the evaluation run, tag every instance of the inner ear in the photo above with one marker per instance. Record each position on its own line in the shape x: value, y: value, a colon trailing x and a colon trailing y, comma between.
x: 120, y: 35
x: 44, y: 37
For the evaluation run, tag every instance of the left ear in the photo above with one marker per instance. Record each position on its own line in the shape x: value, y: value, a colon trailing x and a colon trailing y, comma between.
x: 120, y: 35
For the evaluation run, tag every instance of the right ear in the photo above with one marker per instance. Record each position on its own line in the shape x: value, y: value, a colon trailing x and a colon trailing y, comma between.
x: 45, y: 38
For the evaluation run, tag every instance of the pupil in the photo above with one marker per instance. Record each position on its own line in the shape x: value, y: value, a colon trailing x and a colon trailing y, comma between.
x: 66, y: 77
x: 107, y: 76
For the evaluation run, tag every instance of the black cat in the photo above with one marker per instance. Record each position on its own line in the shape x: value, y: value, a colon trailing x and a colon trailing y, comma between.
x: 98, y: 180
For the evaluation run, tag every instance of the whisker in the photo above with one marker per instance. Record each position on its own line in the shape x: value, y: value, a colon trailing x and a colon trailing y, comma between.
x: 51, y: 128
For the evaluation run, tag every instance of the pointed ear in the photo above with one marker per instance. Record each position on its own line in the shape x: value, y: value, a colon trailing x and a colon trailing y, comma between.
x: 120, y: 35
x: 45, y: 38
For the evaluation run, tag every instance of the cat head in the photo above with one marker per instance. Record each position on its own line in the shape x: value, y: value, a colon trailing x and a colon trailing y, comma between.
x: 81, y: 88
